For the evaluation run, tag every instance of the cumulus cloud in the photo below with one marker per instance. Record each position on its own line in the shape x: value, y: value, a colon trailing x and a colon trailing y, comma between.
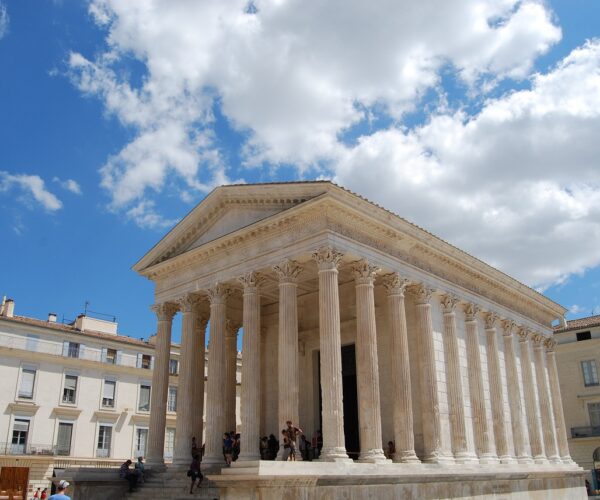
x: 4, y: 20
x: 31, y: 186
x: 69, y: 184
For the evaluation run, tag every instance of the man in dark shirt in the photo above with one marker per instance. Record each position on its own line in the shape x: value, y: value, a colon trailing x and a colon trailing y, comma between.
x: 126, y: 473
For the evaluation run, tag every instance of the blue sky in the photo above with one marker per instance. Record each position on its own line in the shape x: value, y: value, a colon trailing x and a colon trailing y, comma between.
x: 117, y: 118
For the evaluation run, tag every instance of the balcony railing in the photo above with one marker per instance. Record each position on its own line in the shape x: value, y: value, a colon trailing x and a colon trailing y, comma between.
x: 32, y: 449
x: 580, y: 432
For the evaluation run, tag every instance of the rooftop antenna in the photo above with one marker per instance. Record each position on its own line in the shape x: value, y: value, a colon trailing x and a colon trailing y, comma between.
x: 87, y: 303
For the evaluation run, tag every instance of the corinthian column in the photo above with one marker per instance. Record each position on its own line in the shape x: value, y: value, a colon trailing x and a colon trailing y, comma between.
x: 230, y: 374
x: 288, y: 272
x: 367, y: 366
x: 160, y: 385
x: 456, y: 402
x: 497, y: 398
x: 250, y: 397
x: 215, y: 402
x: 400, y: 367
x: 557, y: 407
x: 430, y: 407
x: 478, y: 414
x: 184, y: 430
x: 544, y: 399
x: 198, y: 345
x: 520, y: 437
x: 530, y: 403
x: 334, y: 445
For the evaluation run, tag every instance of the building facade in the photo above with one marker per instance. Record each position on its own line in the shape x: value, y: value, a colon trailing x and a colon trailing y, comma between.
x: 578, y: 358
x: 362, y: 325
x: 74, y: 395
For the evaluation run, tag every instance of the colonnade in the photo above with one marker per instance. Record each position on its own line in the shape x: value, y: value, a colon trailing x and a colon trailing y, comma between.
x: 491, y: 444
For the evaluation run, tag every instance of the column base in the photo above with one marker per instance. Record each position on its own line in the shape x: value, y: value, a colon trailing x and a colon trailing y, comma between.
x: 157, y: 465
x: 555, y: 459
x: 567, y: 460
x: 212, y: 460
x: 525, y: 459
x: 488, y: 458
x: 374, y: 456
x: 507, y: 459
x: 540, y: 459
x: 335, y: 455
x: 248, y: 457
x: 438, y: 458
x: 464, y: 457
x: 406, y: 457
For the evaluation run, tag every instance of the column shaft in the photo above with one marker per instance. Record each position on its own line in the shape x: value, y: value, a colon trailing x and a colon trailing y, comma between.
x: 215, y: 402
x: 548, y: 429
x: 531, y: 406
x: 557, y: 407
x: 367, y: 366
x: 456, y: 402
x: 520, y: 437
x: 198, y: 345
x: 478, y: 413
x: 230, y: 375
x: 160, y: 386
x: 430, y: 407
x: 334, y: 444
x: 496, y: 396
x: 400, y: 368
x: 184, y: 430
x: 250, y: 397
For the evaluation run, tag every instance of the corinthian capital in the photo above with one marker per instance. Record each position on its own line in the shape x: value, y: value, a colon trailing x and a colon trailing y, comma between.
x: 287, y: 271
x: 251, y: 280
x: 508, y: 325
x: 538, y: 340
x: 471, y: 311
x: 491, y: 320
x: 523, y: 334
x: 218, y: 294
x: 232, y: 328
x: 449, y: 302
x: 187, y: 302
x: 364, y: 272
x: 422, y: 293
x: 327, y: 257
x: 550, y: 345
x: 395, y: 284
x: 164, y: 311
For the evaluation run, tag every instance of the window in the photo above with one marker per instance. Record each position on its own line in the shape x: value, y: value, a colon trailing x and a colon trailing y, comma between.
x: 590, y: 372
x: 594, y: 412
x: 63, y: 442
x: 169, y: 442
x: 172, y: 399
x: 584, y: 336
x: 19, y: 436
x: 104, y: 441
x: 146, y: 361
x: 141, y: 439
x: 173, y: 367
x: 70, y: 389
x: 73, y: 350
x: 111, y: 356
x: 108, y: 394
x: 27, y: 383
x: 144, y: 404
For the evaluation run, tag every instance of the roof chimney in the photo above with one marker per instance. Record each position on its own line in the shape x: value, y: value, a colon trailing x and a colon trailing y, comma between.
x: 2, y: 305
x: 51, y: 317
x: 9, y: 308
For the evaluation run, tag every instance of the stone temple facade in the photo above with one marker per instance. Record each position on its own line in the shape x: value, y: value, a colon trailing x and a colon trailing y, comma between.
x: 366, y: 326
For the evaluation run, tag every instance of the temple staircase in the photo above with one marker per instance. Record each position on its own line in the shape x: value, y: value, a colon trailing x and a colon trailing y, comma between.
x: 172, y: 484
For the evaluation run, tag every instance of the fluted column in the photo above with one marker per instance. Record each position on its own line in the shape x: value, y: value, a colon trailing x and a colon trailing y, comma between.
x: 160, y: 385
x: 557, y: 407
x: 184, y: 430
x: 496, y: 396
x: 367, y: 365
x: 250, y: 397
x: 198, y: 343
x: 531, y: 406
x: 456, y: 403
x: 481, y: 431
x: 334, y: 444
x: 548, y: 429
x: 400, y: 368
x: 231, y: 333
x: 288, y: 272
x: 215, y: 402
x: 430, y: 407
x: 520, y: 437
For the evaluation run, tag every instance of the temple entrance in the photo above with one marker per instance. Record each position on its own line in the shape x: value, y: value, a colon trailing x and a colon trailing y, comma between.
x: 351, y: 429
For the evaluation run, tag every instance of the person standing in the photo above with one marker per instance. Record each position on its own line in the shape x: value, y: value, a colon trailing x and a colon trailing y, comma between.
x: 44, y: 495
x: 287, y: 448
x: 194, y: 472
x: 227, y: 448
x: 140, y: 469
x: 37, y: 494
x: 292, y: 433
x: 61, y: 491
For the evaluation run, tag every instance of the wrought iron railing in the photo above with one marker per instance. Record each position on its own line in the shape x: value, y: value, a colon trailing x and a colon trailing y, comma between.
x: 32, y: 449
x: 580, y: 432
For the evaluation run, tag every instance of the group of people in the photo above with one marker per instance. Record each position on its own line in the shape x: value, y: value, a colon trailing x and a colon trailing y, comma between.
x: 231, y: 446
x: 293, y: 440
x: 41, y: 494
x: 61, y: 489
x: 132, y: 476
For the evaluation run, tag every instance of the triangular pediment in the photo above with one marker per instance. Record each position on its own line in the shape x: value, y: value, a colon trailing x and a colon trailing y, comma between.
x: 228, y: 209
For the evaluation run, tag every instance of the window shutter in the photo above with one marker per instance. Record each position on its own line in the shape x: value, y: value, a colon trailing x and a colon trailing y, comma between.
x: 104, y: 354
x: 27, y: 381
x: 71, y: 382
x: 152, y: 362
x: 138, y: 363
x: 65, y: 348
x: 81, y: 351
x: 64, y: 436
x: 119, y: 357
x: 109, y: 389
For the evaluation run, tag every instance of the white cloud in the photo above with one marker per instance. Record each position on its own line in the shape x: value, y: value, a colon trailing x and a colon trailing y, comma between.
x: 4, y: 20
x: 69, y: 185
x: 576, y: 309
x: 30, y: 185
